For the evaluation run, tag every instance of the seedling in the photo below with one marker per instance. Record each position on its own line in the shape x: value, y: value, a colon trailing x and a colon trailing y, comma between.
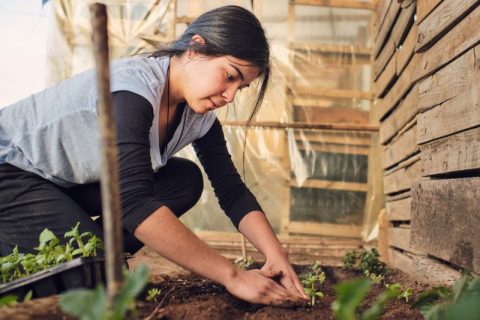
x: 368, y: 262
x: 460, y: 302
x: 406, y: 294
x: 11, y: 299
x: 91, y: 304
x: 50, y: 253
x: 244, y: 262
x: 377, y: 279
x: 152, y: 294
x: 312, y: 280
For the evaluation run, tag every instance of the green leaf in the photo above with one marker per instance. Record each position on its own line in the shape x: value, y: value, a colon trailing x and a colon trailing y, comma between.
x: 134, y: 283
x: 8, y: 300
x: 85, y: 304
x: 45, y: 237
x: 350, y: 295
x: 28, y: 296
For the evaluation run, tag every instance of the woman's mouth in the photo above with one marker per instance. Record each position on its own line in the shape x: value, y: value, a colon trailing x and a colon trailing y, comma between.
x: 214, y: 106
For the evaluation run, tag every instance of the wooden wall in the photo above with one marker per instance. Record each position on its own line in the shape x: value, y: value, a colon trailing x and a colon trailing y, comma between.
x: 427, y: 84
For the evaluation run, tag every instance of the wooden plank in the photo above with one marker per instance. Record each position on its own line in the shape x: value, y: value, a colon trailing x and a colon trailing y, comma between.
x: 338, y: 137
x: 461, y: 38
x: 383, y: 58
x: 424, y: 7
x: 399, y: 210
x: 335, y: 185
x: 459, y: 152
x: 403, y: 23
x: 446, y: 15
x: 459, y: 77
x: 332, y: 93
x: 330, y: 115
x: 381, y: 13
x: 452, y: 116
x: 405, y: 82
x: 445, y: 220
x: 406, y: 50
x: 355, y: 50
x: 326, y: 229
x: 402, y: 179
x: 351, y: 4
x: 399, y: 196
x: 401, y: 149
x: 335, y: 148
x: 385, y: 29
x: 403, y: 114
x: 385, y: 79
x: 400, y: 238
x: 422, y: 268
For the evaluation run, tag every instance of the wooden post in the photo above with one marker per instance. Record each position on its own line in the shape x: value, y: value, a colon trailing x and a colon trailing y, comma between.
x: 109, y: 176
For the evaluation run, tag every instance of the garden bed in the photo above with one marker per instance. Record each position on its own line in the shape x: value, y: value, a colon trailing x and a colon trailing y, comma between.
x: 192, y: 297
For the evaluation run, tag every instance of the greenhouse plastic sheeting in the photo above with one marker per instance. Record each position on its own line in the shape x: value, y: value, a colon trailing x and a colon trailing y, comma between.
x: 308, y: 180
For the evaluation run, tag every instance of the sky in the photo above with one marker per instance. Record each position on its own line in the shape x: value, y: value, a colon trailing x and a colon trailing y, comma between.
x: 23, y: 47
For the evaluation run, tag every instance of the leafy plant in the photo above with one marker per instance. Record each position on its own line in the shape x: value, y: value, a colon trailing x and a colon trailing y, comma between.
x: 91, y: 304
x: 351, y: 294
x: 50, y: 253
x: 11, y: 299
x: 459, y: 302
x: 312, y: 280
x: 377, y: 279
x: 152, y: 294
x: 367, y: 261
x: 406, y: 294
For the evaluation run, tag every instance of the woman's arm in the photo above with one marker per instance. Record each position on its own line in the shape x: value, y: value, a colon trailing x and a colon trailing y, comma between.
x: 164, y: 233
x: 242, y: 207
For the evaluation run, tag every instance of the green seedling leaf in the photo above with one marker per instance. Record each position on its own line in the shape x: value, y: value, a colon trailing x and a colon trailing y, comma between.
x: 8, y: 300
x: 85, y: 304
x: 350, y: 295
x: 152, y: 294
x: 45, y: 237
x: 134, y: 283
x: 28, y: 296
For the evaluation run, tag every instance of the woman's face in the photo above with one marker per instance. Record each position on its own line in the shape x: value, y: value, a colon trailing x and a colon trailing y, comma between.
x: 212, y: 82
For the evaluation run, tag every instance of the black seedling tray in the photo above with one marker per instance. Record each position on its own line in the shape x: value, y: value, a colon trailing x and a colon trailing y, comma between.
x: 78, y: 273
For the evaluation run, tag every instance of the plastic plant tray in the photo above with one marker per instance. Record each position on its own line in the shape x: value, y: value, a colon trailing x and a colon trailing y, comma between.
x: 84, y: 272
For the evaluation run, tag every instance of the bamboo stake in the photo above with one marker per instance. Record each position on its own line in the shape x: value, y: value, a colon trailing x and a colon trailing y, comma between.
x: 109, y: 175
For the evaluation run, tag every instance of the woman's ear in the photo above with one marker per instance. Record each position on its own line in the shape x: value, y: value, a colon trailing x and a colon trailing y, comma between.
x: 196, y: 41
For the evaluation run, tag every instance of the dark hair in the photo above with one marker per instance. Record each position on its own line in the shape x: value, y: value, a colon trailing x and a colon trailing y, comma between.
x: 228, y: 30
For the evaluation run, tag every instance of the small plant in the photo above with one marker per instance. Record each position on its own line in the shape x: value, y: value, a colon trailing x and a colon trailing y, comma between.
x: 367, y: 261
x: 376, y: 279
x: 11, y: 299
x: 91, y: 304
x: 460, y: 302
x: 152, y: 294
x: 312, y: 280
x: 50, y: 253
x: 406, y: 294
x: 244, y: 262
x: 351, y: 294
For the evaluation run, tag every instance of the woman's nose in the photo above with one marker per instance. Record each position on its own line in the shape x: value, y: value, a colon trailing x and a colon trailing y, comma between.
x: 229, y: 94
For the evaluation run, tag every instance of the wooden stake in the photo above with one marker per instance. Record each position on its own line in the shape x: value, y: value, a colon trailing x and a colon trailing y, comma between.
x: 109, y: 176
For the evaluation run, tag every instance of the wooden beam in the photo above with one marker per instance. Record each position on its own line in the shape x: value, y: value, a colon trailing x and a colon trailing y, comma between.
x: 334, y: 185
x: 302, y: 125
x: 403, y: 147
x: 404, y: 22
x: 400, y: 117
x: 402, y: 179
x: 456, y: 42
x: 459, y: 152
x: 354, y: 50
x: 399, y: 210
x: 383, y: 58
x: 406, y: 50
x: 459, y: 77
x: 332, y: 93
x: 349, y: 4
x: 400, y: 238
x: 345, y: 139
x: 381, y: 14
x: 325, y: 229
x: 422, y: 268
x: 446, y: 15
x: 445, y: 220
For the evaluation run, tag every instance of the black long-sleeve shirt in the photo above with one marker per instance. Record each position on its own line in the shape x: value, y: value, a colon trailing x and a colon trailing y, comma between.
x: 134, y: 116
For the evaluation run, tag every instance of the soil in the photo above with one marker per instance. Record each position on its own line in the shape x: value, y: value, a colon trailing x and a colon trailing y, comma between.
x: 189, y: 296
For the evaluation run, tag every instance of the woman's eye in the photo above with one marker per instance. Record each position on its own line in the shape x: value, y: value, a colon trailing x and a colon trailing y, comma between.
x: 229, y: 76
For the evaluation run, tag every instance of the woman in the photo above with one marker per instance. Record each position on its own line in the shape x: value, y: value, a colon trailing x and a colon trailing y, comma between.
x: 49, y: 159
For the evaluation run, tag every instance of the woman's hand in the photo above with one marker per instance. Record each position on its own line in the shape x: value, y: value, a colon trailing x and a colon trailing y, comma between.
x: 277, y: 266
x: 254, y: 286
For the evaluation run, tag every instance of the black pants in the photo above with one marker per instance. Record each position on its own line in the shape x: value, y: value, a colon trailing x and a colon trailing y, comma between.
x: 29, y: 204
